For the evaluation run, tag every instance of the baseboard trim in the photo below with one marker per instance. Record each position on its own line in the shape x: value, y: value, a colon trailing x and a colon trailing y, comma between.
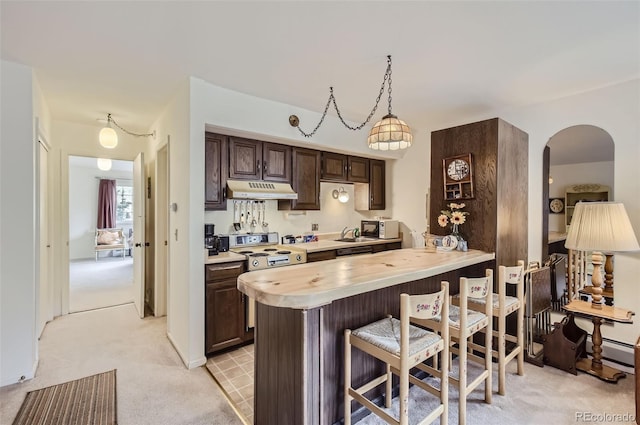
x: 189, y: 364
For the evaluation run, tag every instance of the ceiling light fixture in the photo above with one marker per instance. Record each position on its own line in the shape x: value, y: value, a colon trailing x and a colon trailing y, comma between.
x: 109, y: 138
x: 390, y: 133
x: 104, y: 164
x: 341, y: 195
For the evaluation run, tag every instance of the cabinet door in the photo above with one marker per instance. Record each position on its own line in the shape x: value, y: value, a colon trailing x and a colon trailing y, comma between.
x: 334, y: 166
x: 305, y: 180
x: 245, y: 159
x: 358, y: 169
x: 377, y: 185
x: 276, y: 162
x: 224, y: 326
x: 215, y: 171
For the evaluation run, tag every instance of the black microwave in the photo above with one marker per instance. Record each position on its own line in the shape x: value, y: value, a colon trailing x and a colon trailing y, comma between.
x: 383, y: 229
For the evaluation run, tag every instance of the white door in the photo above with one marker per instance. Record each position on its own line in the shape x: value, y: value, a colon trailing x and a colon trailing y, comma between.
x: 44, y: 285
x: 138, y: 233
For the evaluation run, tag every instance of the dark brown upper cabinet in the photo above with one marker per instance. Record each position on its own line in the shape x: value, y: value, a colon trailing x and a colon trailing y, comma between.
x: 305, y: 180
x: 215, y: 171
x: 257, y: 160
x: 344, y: 168
x: 377, y: 199
x: 358, y: 169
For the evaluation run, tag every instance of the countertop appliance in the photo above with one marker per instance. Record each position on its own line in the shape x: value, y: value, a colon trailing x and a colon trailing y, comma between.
x: 214, y: 243
x: 262, y: 251
x: 383, y: 229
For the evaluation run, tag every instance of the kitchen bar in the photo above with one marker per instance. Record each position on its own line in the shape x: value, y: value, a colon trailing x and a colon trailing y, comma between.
x: 302, y: 312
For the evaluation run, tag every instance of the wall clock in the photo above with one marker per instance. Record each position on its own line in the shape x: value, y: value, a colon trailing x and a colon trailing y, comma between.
x: 556, y: 205
x: 457, y: 172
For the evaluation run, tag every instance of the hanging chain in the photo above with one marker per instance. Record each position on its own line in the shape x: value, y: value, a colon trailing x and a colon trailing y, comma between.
x: 110, y: 119
x: 332, y: 99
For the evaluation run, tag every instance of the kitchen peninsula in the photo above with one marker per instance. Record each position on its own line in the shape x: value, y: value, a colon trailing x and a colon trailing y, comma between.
x: 302, y: 312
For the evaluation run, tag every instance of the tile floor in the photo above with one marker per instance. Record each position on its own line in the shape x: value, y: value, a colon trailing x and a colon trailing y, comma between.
x: 234, y: 373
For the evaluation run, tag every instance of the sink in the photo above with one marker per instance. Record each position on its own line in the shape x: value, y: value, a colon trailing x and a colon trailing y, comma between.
x: 360, y: 239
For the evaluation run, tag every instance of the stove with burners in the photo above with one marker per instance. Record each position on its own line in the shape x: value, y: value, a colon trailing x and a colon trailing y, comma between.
x: 262, y: 251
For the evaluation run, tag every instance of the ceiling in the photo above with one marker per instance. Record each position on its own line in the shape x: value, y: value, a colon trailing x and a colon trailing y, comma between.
x: 451, y: 60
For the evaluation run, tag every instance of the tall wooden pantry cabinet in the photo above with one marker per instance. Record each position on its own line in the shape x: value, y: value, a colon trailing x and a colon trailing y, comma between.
x: 498, y: 204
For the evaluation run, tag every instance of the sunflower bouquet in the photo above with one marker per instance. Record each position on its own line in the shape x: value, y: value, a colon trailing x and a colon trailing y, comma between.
x: 454, y: 216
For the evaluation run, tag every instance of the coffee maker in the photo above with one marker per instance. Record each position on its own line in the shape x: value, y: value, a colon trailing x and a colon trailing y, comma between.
x: 210, y: 240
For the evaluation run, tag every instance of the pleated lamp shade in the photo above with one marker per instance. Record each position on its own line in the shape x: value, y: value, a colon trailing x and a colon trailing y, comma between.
x: 601, y: 226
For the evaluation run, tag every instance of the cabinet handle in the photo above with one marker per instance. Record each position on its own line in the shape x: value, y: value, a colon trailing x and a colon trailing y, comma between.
x: 264, y: 168
x: 258, y: 165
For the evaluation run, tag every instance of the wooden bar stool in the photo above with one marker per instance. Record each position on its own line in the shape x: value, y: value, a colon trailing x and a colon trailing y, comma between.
x: 502, y: 306
x: 402, y: 346
x: 465, y: 320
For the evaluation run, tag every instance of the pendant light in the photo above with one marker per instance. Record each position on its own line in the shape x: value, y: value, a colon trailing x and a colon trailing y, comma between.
x: 109, y: 138
x: 390, y: 133
x: 104, y: 164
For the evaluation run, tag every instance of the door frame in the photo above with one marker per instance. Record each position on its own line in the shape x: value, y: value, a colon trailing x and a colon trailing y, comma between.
x: 161, y: 230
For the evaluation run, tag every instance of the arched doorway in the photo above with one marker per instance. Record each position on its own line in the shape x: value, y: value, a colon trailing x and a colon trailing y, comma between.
x: 573, y: 157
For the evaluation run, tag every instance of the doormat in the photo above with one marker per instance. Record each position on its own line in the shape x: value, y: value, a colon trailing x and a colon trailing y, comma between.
x: 90, y: 400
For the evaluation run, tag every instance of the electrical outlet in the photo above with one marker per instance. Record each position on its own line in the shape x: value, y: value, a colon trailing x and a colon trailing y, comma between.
x: 314, y: 227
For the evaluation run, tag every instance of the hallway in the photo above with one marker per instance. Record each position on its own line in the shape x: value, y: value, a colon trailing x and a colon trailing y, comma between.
x: 153, y: 385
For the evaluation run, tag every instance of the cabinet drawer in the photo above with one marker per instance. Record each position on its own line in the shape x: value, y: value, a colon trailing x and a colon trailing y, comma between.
x: 321, y: 256
x: 213, y: 272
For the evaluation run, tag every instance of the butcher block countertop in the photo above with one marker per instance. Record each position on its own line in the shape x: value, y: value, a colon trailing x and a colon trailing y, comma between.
x: 311, y: 285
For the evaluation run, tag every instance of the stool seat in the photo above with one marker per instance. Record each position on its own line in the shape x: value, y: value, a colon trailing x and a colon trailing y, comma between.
x: 385, y: 334
x: 475, y: 319
x: 511, y: 304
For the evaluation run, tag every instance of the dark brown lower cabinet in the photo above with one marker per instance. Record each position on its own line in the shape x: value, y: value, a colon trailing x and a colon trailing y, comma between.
x: 224, y: 307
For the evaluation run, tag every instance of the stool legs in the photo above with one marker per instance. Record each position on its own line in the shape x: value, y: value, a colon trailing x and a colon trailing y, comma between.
x: 347, y: 378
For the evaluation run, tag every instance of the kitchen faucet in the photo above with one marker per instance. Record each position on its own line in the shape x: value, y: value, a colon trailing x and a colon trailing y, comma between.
x: 354, y: 232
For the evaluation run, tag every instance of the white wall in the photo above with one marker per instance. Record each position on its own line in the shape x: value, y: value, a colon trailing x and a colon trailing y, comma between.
x: 185, y: 292
x: 18, y: 340
x: 571, y: 174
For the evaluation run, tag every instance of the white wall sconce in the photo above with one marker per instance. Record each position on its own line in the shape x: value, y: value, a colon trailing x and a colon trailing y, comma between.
x: 550, y: 180
x: 104, y: 164
x: 341, y: 195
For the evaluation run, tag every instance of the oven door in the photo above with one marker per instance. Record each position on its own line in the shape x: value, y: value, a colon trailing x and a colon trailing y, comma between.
x: 249, y: 312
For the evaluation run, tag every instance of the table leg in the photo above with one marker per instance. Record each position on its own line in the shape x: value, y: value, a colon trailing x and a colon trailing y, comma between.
x: 594, y: 366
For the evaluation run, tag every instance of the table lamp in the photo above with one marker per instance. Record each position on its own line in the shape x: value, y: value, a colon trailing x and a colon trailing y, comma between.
x: 600, y: 226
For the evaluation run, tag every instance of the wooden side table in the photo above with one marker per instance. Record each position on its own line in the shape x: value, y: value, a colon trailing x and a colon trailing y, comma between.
x: 594, y: 366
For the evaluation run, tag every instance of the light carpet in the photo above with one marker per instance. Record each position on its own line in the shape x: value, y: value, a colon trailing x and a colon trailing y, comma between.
x: 154, y: 387
x: 98, y: 284
x: 544, y: 395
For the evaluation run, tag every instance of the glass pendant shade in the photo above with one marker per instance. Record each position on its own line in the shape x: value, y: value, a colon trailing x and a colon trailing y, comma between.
x: 108, y: 137
x: 390, y: 134
x: 104, y: 164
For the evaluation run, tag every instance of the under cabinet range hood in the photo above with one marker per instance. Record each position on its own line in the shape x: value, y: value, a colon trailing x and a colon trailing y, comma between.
x: 246, y: 189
